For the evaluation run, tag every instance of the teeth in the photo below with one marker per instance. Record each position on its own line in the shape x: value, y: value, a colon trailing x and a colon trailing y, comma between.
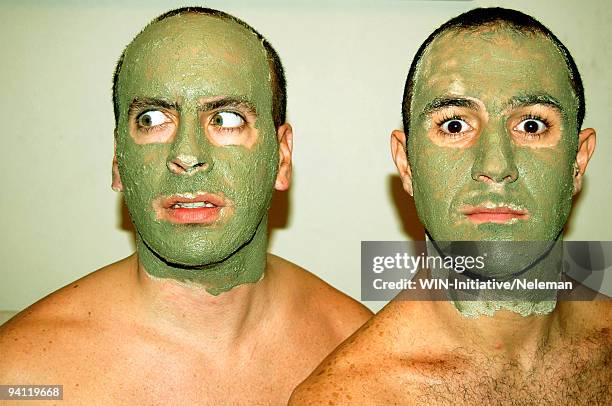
x: 489, y: 205
x: 192, y: 205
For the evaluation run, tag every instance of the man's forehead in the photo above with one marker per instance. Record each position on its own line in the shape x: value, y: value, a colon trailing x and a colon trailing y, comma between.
x: 194, y: 31
x: 202, y: 55
x: 493, y: 65
x: 489, y: 44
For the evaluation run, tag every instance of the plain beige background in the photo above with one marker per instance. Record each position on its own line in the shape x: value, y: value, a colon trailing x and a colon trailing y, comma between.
x: 346, y: 63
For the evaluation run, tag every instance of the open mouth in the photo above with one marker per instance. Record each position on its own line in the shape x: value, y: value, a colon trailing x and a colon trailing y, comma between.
x: 191, y: 208
x: 495, y: 213
x: 191, y: 205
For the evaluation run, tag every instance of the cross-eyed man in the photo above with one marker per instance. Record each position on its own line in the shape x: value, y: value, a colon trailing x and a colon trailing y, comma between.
x: 201, y: 313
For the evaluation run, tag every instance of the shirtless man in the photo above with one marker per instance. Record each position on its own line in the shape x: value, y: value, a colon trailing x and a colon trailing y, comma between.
x: 200, y: 314
x: 493, y: 107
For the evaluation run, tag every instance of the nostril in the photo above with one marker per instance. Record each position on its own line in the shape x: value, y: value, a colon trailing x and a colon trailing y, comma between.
x: 200, y: 166
x: 485, y: 179
x: 179, y: 166
x: 175, y: 167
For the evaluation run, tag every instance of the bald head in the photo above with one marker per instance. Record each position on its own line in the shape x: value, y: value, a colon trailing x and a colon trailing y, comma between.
x: 172, y: 39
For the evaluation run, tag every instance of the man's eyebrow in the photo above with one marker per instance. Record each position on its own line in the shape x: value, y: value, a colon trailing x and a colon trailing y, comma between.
x: 145, y: 102
x: 148, y: 102
x: 531, y: 99
x: 442, y: 102
x: 227, y: 102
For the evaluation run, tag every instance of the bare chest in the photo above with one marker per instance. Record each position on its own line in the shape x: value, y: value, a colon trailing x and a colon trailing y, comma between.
x: 176, y: 382
x: 162, y: 372
x: 570, y: 376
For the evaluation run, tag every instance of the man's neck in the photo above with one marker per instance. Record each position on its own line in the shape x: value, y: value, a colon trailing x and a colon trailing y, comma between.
x: 515, y: 323
x: 507, y: 333
x: 545, y: 264
x: 505, y: 262
x: 216, y: 303
x: 245, y: 265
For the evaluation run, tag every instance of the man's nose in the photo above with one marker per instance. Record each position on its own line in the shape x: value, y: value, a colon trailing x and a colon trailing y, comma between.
x: 190, y: 153
x: 494, y: 161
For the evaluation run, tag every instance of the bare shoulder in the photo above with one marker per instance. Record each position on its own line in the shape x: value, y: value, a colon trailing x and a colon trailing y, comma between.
x: 591, y: 317
x: 47, y: 331
x: 365, y: 368
x: 582, y: 292
x: 322, y: 301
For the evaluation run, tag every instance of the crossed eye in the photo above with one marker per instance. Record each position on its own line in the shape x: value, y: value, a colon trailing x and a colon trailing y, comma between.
x: 224, y: 119
x: 227, y: 119
x: 152, y: 118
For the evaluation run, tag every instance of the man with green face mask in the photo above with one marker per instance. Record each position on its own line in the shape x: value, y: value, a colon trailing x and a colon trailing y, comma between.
x: 200, y: 314
x: 492, y: 153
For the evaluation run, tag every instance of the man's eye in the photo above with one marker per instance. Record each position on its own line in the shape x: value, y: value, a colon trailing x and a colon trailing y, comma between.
x: 531, y: 126
x: 151, y: 118
x: 227, y: 119
x: 455, y: 126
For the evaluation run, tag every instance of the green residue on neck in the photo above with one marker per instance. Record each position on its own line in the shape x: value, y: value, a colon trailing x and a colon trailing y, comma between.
x: 504, y: 262
x: 474, y: 309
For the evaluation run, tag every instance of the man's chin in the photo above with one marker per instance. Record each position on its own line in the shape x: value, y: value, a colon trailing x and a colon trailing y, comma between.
x: 190, y: 249
x: 518, y: 231
x: 198, y: 256
x: 501, y: 260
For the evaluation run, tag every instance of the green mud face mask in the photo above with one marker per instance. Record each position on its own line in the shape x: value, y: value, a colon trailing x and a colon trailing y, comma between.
x: 509, y: 141
x: 173, y: 73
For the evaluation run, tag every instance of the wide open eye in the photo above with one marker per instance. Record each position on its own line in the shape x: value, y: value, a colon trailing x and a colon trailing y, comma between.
x: 151, y: 118
x: 531, y: 126
x: 227, y: 119
x: 455, y: 126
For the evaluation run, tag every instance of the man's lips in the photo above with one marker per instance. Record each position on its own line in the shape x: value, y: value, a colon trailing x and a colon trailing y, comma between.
x: 489, y: 213
x: 201, y: 208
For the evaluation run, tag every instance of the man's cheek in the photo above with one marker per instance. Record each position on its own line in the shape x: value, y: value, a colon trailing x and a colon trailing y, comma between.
x: 230, y: 169
x: 244, y: 173
x: 548, y: 183
x: 546, y: 172
x: 141, y: 173
x: 442, y: 172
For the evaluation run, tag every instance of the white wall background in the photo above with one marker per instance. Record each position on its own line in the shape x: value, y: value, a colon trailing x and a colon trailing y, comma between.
x: 346, y: 63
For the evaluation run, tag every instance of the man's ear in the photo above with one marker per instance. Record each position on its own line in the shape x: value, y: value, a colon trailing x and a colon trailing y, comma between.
x: 284, y: 134
x: 116, y: 184
x: 398, y: 153
x: 586, y: 147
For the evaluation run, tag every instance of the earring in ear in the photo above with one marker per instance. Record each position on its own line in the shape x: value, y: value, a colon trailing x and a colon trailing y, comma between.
x: 576, y: 170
